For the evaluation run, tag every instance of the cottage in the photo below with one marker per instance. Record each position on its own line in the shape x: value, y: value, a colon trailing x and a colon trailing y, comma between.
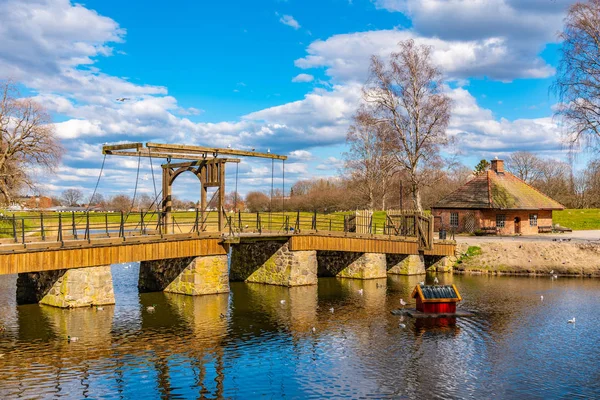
x: 496, y: 202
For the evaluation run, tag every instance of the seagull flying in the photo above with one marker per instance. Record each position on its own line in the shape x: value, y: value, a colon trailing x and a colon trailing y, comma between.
x: 122, y: 99
x: 269, y: 151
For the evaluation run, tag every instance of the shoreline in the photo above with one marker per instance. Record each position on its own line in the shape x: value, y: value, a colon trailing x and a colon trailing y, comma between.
x: 527, y: 258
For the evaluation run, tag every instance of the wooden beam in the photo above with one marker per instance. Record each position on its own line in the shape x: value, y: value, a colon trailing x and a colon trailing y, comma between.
x: 212, y: 150
x: 197, y: 163
x: 125, y: 146
x: 176, y: 156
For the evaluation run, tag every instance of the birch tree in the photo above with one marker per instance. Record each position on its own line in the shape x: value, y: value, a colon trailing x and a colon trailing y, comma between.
x: 369, y: 161
x: 404, y: 96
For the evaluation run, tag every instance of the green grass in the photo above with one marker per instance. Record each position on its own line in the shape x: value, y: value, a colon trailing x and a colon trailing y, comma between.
x: 584, y: 219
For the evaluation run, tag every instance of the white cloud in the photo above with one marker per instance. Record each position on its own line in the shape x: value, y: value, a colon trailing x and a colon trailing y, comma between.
x: 289, y: 21
x: 479, y: 132
x: 303, y: 78
x: 346, y: 57
x: 301, y: 155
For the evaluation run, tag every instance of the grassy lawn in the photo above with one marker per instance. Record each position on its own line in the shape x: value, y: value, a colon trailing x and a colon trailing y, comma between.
x: 575, y: 219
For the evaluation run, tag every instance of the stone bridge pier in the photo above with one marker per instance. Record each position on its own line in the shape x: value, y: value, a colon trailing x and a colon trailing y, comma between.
x: 67, y: 288
x: 344, y: 264
x: 188, y: 275
x: 272, y: 262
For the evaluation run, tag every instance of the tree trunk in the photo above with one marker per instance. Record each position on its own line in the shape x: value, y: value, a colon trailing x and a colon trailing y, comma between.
x: 416, y: 195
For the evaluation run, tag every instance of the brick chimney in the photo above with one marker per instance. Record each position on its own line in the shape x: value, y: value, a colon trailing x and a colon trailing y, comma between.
x: 498, y: 165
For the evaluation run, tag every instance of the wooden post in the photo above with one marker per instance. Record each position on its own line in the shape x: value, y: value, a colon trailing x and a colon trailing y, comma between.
x: 106, y: 224
x: 196, y: 221
x: 23, y: 229
x: 240, y: 220
x: 203, y: 193
x: 73, y: 225
x: 142, y: 227
x: 220, y: 208
x: 42, y: 226
x: 87, y: 226
x: 122, y: 227
x: 167, y: 197
x: 14, y: 224
x: 60, y: 236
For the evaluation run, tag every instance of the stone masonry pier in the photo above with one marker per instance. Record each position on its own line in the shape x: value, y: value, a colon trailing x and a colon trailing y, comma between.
x: 351, y: 264
x: 78, y: 287
x: 188, y: 275
x: 399, y: 264
x: 272, y: 262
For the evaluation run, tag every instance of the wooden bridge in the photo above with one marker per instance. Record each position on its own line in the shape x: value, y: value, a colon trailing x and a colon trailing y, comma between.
x: 187, y: 252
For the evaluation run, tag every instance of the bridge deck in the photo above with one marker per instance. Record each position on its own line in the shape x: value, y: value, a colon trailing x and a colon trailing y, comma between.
x: 49, y: 255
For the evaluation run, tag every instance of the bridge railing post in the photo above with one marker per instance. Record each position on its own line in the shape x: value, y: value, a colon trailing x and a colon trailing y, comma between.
x: 122, y: 226
x: 142, y: 227
x: 195, y: 228
x: 60, y: 228
x: 87, y: 226
x: 314, y: 221
x: 106, y: 224
x: 345, y: 223
x: 23, y: 230
x: 42, y: 226
x: 73, y: 225
x: 14, y: 224
x: 239, y: 221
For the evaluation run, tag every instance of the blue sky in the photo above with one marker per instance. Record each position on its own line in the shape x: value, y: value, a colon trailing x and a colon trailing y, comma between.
x: 276, y: 74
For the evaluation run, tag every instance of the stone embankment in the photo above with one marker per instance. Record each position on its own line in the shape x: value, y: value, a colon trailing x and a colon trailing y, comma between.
x: 527, y: 257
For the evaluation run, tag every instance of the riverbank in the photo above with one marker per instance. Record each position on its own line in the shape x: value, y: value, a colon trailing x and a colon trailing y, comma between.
x: 528, y: 258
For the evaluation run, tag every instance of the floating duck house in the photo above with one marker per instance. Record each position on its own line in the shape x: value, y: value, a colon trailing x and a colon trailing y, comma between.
x: 436, y: 299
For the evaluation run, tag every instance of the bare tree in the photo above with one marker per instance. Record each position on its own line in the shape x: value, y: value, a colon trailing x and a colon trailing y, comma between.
x: 71, y: 197
x: 257, y: 201
x: 369, y: 160
x: 525, y: 165
x: 405, y: 96
x: 27, y: 141
x: 120, y: 202
x: 578, y: 78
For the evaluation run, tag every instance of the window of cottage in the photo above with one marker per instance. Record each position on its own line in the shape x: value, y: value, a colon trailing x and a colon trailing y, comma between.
x: 500, y: 220
x: 454, y: 220
x: 532, y: 219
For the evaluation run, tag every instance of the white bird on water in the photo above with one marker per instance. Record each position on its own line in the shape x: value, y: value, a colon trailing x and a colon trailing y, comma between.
x: 422, y: 283
x: 314, y: 329
x: 360, y: 291
x: 552, y: 272
x: 542, y: 297
x: 402, y: 303
x: 571, y: 321
x: 332, y: 310
x: 282, y: 301
x: 401, y: 325
x: 435, y: 280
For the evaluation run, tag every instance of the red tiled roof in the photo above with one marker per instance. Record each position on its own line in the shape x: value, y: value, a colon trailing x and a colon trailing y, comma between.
x: 498, y: 190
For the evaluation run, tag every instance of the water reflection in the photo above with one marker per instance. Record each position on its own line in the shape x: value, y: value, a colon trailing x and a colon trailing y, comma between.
x: 249, y: 343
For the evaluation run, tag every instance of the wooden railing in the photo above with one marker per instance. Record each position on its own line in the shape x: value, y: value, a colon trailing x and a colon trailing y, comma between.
x: 60, y: 227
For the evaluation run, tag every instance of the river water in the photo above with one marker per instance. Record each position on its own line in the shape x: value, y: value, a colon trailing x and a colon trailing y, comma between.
x: 248, y: 344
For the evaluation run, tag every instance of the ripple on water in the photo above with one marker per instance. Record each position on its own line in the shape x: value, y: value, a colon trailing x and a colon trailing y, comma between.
x: 249, y: 344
